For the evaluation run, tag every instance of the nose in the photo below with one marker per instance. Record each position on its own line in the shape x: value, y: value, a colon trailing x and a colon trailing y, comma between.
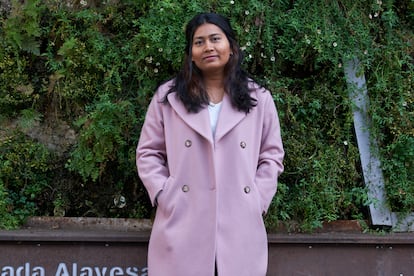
x: 208, y: 46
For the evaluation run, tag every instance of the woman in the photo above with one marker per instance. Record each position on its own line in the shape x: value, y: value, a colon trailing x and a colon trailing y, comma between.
x: 209, y: 155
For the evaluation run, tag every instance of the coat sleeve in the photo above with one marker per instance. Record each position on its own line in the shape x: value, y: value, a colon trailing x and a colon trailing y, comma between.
x: 270, y: 164
x: 151, y: 157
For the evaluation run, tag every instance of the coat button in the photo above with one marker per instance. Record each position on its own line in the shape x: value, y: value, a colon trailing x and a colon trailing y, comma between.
x: 242, y: 144
x: 247, y: 189
x: 185, y: 188
x: 187, y: 143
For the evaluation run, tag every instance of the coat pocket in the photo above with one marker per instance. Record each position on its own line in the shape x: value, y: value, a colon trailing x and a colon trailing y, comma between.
x: 163, y: 198
x: 254, y: 197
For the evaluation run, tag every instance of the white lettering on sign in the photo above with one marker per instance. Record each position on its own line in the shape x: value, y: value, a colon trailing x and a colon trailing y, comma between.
x: 62, y: 270
x: 73, y: 269
x: 24, y: 270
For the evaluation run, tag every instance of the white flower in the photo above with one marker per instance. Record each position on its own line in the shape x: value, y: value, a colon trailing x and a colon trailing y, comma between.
x: 148, y: 59
x: 246, y: 12
x: 156, y: 70
x: 340, y: 65
x: 83, y: 3
x: 366, y: 52
x: 318, y: 31
x: 160, y: 50
x: 346, y: 143
x: 404, y: 104
x: 232, y: 2
x: 334, y: 44
x: 370, y: 16
x: 308, y: 41
x: 248, y: 43
x: 272, y: 58
x: 376, y: 14
x: 243, y: 48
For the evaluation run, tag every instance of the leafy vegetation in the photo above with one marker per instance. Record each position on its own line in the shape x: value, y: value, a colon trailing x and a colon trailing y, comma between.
x: 76, y: 78
x: 24, y: 168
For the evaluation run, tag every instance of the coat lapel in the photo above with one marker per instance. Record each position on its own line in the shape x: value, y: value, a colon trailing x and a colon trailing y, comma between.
x: 229, y: 117
x: 199, y: 122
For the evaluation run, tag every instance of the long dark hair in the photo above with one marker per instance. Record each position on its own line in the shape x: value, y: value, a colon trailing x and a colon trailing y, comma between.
x: 188, y: 83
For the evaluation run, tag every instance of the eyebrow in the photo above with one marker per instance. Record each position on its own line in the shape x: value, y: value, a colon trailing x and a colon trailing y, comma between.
x: 199, y: 37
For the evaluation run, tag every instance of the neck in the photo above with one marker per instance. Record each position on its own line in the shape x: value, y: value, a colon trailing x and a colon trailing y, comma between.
x: 215, y: 89
x: 214, y: 82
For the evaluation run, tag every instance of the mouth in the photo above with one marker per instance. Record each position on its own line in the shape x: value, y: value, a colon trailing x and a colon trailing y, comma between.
x: 211, y: 57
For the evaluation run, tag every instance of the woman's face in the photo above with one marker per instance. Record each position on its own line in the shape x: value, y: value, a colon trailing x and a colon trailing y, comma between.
x: 211, y: 49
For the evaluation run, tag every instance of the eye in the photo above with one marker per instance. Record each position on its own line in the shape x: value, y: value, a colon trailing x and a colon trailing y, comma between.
x: 216, y: 38
x: 198, y: 42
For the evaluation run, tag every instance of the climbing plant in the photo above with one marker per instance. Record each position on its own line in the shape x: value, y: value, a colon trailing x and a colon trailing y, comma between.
x: 94, y: 65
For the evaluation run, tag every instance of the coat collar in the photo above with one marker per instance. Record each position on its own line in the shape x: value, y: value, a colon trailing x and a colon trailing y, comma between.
x: 229, y: 117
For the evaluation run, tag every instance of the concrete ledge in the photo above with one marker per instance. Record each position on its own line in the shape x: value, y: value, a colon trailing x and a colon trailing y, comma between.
x: 343, y: 238
x: 87, y: 223
x: 73, y: 236
x: 63, y: 229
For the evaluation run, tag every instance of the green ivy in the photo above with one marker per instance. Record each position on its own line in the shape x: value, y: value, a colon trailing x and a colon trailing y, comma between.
x: 96, y: 64
x: 7, y: 219
x: 24, y: 176
x: 104, y: 135
x: 390, y: 87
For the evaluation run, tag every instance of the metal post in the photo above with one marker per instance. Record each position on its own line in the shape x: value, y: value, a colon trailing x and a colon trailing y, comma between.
x: 368, y: 148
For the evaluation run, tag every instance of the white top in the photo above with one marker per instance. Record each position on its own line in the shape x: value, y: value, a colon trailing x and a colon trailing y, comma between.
x: 214, y: 110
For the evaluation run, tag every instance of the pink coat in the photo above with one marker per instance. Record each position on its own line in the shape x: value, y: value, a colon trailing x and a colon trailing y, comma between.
x: 214, y: 191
